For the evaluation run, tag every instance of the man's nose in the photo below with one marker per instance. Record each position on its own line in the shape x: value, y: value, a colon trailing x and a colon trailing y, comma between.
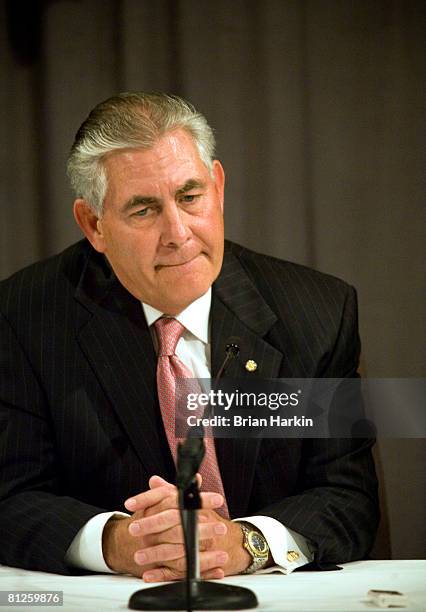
x: 174, y: 230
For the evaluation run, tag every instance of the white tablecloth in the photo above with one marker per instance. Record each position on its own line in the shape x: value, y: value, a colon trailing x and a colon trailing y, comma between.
x: 344, y: 590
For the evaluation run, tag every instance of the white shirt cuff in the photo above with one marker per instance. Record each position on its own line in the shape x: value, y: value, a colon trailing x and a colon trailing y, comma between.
x: 85, y: 551
x: 289, y: 549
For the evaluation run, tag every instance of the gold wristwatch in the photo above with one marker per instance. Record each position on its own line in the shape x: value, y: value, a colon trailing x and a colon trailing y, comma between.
x: 255, y: 543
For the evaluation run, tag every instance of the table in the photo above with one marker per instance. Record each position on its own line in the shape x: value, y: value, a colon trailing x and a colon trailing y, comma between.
x: 344, y: 590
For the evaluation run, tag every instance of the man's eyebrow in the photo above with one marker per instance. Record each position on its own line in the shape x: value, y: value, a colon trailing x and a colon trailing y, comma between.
x: 138, y: 200
x: 190, y: 185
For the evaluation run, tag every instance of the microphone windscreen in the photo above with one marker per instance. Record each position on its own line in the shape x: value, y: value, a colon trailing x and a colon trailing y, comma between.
x: 233, y: 345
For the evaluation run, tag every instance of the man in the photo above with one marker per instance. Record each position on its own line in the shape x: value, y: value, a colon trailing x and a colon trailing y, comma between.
x: 87, y: 453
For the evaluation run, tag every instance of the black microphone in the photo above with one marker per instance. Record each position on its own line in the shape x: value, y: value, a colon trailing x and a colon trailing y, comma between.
x: 189, y: 458
x: 232, y: 349
x: 195, y: 594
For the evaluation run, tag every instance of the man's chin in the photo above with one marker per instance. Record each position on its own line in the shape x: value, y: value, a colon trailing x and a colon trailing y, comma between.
x: 181, y: 285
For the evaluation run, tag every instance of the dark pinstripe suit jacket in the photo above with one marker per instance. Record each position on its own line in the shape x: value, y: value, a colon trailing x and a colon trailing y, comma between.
x: 80, y: 427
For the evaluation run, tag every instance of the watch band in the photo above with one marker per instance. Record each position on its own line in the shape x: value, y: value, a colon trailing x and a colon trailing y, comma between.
x: 259, y: 554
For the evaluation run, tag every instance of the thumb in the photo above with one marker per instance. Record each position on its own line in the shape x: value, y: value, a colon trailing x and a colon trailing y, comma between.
x: 158, y: 481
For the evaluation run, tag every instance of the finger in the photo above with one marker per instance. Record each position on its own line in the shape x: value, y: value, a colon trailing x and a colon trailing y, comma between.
x: 209, y: 501
x: 168, y: 496
x: 169, y: 501
x: 159, y: 554
x: 211, y: 530
x: 155, y: 524
x: 207, y: 544
x: 214, y: 574
x: 161, y: 574
x: 174, y: 535
x: 208, y: 562
x: 157, y: 481
x: 147, y: 498
x: 207, y: 533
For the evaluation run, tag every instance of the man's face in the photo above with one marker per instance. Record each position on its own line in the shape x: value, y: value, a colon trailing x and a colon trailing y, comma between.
x: 162, y: 227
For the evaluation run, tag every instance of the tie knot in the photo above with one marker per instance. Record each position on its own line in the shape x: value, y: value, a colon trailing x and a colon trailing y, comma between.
x: 168, y: 332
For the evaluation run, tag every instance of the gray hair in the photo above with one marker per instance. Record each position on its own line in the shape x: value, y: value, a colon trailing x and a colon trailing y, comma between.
x: 130, y: 120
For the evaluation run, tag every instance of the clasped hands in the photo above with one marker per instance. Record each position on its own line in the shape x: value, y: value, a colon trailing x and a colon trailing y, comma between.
x: 150, y: 543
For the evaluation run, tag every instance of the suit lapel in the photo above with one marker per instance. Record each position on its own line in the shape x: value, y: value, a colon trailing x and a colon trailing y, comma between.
x: 239, y: 310
x: 117, y: 343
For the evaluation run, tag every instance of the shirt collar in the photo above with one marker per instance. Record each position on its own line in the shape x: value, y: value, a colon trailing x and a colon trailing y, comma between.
x: 195, y: 318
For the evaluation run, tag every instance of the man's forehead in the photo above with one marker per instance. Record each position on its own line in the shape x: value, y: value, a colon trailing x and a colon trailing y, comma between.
x: 145, y: 167
x: 130, y: 168
x: 173, y: 164
x: 173, y: 145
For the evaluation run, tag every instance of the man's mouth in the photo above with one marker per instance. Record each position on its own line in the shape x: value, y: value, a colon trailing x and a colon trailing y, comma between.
x: 176, y: 264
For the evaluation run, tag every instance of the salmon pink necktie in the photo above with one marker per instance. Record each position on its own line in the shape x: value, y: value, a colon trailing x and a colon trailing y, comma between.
x: 169, y: 369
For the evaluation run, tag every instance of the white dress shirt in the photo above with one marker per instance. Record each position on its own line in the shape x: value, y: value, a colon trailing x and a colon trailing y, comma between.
x: 288, y: 548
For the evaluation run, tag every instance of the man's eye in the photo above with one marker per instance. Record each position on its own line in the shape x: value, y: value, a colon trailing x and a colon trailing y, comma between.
x: 189, y: 198
x: 142, y: 212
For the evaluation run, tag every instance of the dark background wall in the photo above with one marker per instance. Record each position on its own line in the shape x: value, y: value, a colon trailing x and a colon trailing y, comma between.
x: 317, y: 110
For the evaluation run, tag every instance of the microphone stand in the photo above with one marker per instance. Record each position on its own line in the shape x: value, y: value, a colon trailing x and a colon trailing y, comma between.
x: 194, y: 593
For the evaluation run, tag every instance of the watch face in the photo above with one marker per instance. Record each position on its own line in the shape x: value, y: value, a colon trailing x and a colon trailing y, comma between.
x: 258, y: 543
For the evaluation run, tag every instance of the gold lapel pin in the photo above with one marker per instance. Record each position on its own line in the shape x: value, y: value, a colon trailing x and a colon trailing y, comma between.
x: 251, y: 365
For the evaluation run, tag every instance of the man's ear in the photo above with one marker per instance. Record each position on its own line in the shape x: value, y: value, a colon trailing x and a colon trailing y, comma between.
x: 90, y: 224
x: 219, y: 179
